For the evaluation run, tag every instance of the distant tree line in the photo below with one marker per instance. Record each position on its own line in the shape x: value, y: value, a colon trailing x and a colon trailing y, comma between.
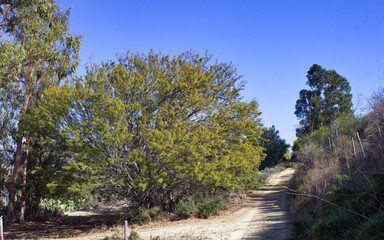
x: 276, y: 148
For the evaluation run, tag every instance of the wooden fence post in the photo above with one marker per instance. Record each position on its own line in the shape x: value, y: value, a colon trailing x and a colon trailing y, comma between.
x: 361, y: 145
x: 345, y: 155
x: 337, y: 135
x: 1, y: 228
x: 125, y: 230
x: 354, y: 149
x: 329, y: 143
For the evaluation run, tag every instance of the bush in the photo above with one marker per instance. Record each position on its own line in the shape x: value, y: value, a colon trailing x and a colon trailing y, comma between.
x: 143, y: 215
x: 156, y: 238
x: 210, y: 206
x: 115, y: 236
x: 132, y: 236
x: 333, y: 226
x: 185, y: 209
x: 156, y: 213
x: 371, y: 230
x: 57, y: 207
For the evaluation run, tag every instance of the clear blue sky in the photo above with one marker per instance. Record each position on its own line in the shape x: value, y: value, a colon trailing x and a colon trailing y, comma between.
x: 272, y: 43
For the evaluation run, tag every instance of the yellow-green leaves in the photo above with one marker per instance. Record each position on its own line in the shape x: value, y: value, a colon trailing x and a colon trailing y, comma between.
x: 164, y: 126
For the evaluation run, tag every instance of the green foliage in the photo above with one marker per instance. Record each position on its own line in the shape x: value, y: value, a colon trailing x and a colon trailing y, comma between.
x: 49, y: 207
x: 37, y: 51
x: 371, y: 230
x: 276, y: 148
x: 342, y: 193
x: 151, y: 126
x: 133, y: 235
x: 338, y: 223
x: 115, y: 236
x: 144, y: 215
x: 346, y: 125
x: 332, y: 227
x: 156, y: 238
x: 341, y: 178
x: 210, y: 206
x: 328, y: 98
x: 287, y: 155
x: 185, y: 209
x: 251, y: 182
x: 156, y: 213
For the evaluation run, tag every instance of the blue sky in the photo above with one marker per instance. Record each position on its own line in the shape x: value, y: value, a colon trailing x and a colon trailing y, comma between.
x: 272, y: 43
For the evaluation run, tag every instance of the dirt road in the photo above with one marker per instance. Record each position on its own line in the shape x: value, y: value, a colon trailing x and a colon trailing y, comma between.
x: 264, y: 216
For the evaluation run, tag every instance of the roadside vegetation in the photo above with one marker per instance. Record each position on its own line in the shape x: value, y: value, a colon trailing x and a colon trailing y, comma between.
x: 276, y: 149
x: 339, y: 181
x: 132, y: 236
x: 164, y: 134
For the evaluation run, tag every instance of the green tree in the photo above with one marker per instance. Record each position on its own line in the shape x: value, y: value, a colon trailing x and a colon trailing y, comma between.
x: 154, y: 128
x: 276, y: 148
x: 328, y: 97
x: 36, y: 51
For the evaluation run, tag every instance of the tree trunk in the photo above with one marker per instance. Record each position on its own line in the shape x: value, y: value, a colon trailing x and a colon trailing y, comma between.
x: 35, y: 208
x: 16, y: 166
x: 24, y: 183
x: 36, y: 204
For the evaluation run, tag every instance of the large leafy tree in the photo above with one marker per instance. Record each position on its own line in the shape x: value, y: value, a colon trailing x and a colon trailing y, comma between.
x: 276, y: 147
x: 154, y: 129
x: 37, y: 50
x: 329, y: 96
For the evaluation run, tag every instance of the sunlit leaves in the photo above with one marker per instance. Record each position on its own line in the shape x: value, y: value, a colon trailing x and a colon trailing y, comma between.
x: 152, y: 123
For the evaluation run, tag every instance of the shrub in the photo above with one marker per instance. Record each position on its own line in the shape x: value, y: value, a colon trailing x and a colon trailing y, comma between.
x: 143, y: 215
x: 185, y: 209
x: 156, y: 238
x: 132, y: 236
x: 156, y: 213
x: 56, y: 207
x: 333, y: 226
x: 115, y: 236
x: 210, y: 206
x: 371, y: 230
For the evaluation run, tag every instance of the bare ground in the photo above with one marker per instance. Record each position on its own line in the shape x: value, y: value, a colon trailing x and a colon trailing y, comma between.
x: 262, y: 216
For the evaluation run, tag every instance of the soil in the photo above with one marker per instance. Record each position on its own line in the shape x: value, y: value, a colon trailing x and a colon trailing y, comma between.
x: 264, y: 214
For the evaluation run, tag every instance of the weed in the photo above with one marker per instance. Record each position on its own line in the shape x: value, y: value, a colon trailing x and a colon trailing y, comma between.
x: 115, y: 236
x: 144, y: 215
x: 185, y: 209
x: 132, y: 236
x: 210, y: 206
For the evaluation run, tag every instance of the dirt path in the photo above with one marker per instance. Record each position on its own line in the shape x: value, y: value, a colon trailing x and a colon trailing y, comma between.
x: 264, y: 216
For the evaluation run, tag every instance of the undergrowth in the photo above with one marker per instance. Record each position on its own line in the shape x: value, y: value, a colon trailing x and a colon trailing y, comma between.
x: 144, y: 215
x: 350, y: 214
x: 204, y: 207
x: 54, y: 207
x: 132, y: 236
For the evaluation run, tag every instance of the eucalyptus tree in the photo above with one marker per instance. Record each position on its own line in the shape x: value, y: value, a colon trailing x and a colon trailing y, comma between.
x: 329, y: 96
x: 37, y: 51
